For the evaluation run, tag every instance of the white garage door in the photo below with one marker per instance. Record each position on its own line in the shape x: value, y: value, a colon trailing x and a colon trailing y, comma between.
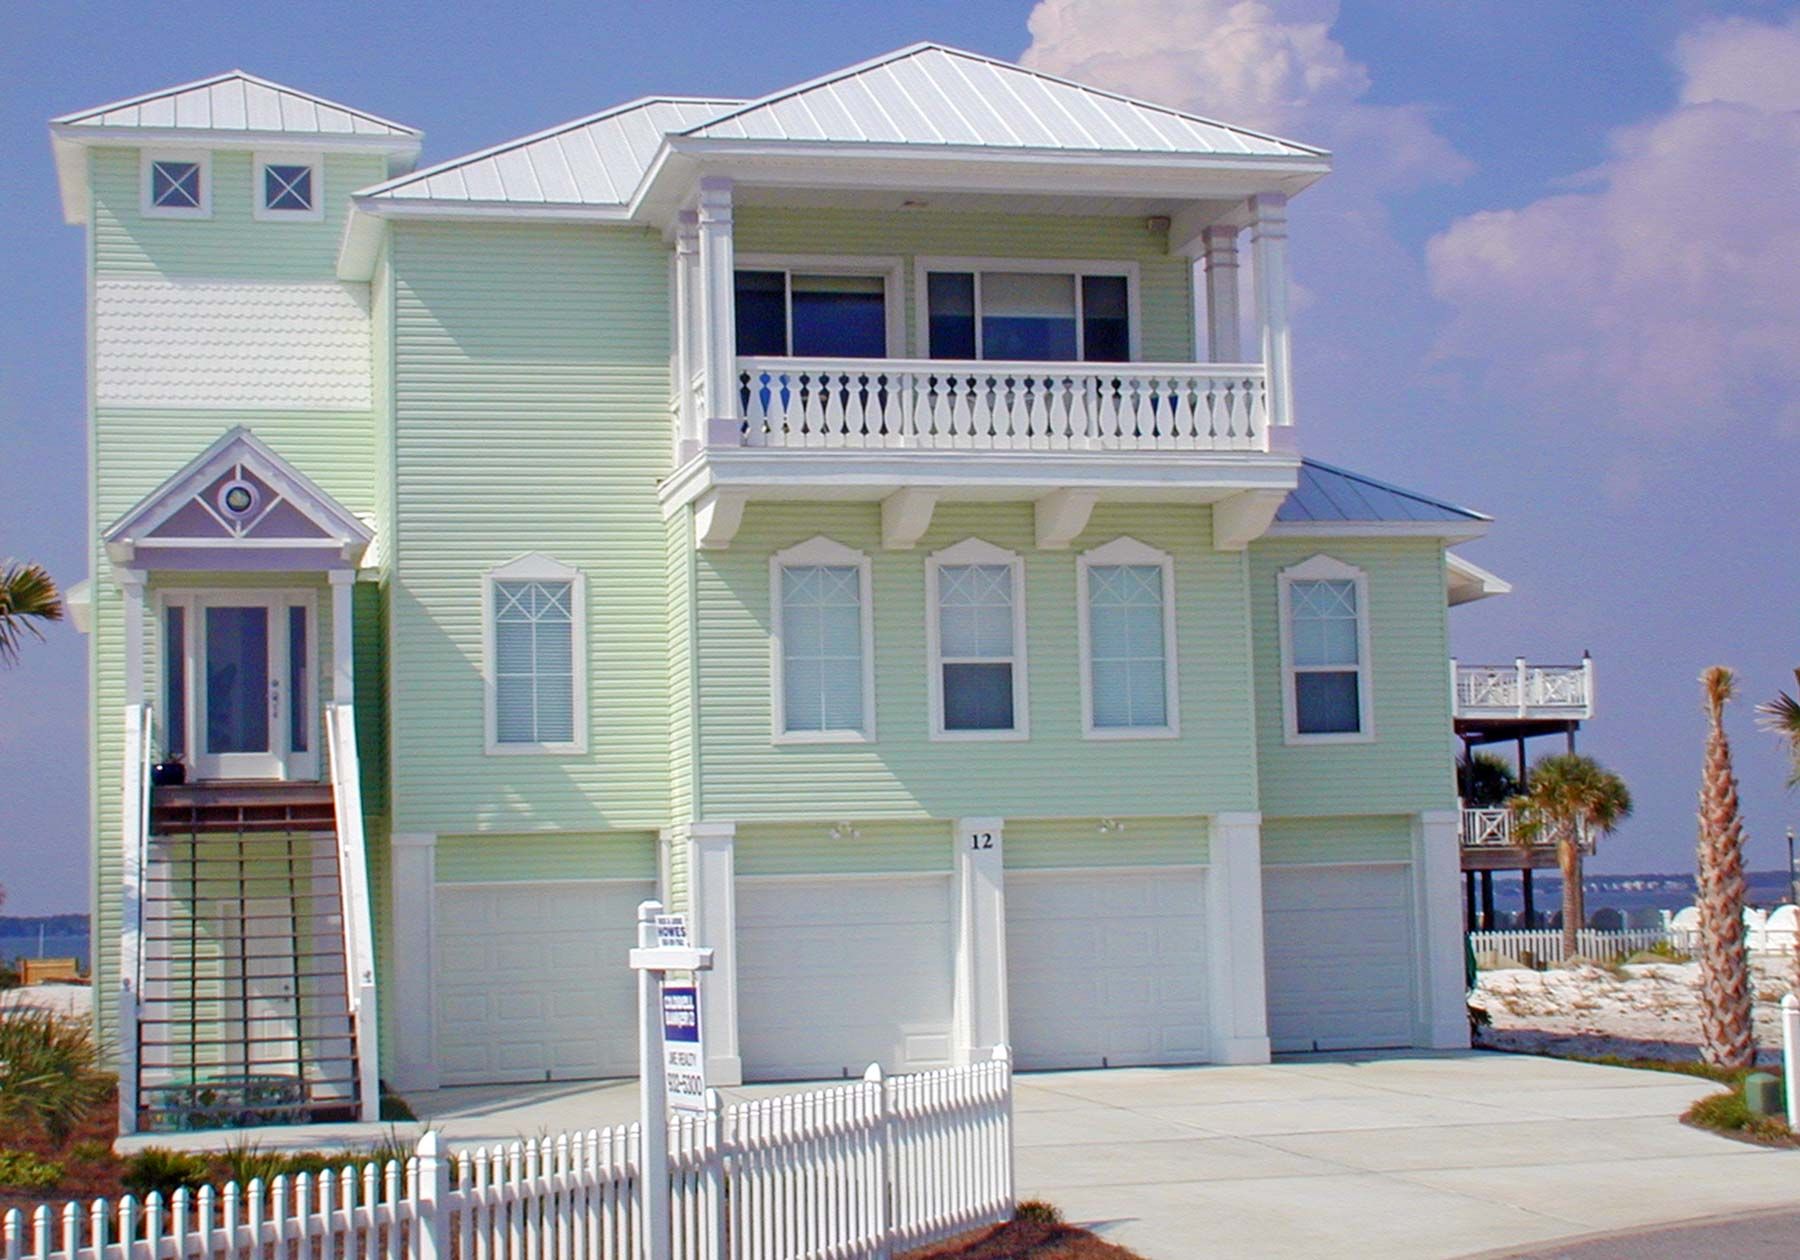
x: 1106, y: 968
x: 836, y: 974
x: 1338, y: 946
x: 532, y: 981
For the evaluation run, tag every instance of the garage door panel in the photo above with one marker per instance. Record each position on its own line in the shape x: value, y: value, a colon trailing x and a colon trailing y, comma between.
x: 1104, y: 966
x: 1339, y: 956
x: 532, y: 981
x: 836, y: 974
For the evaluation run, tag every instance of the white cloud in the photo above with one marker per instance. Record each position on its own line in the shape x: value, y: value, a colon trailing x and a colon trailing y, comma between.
x: 1665, y: 293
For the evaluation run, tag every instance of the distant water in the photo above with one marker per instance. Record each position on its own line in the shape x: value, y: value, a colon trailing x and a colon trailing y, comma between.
x: 1626, y: 893
x: 52, y: 936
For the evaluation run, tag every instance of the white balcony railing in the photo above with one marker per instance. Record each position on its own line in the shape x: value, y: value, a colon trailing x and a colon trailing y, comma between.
x: 1492, y: 828
x: 1519, y: 690
x: 936, y: 404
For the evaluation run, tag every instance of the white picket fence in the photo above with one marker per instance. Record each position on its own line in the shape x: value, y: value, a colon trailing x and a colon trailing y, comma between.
x: 858, y: 1170
x: 1546, y: 944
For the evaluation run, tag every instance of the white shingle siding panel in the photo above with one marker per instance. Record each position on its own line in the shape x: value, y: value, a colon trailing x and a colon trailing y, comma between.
x: 212, y: 343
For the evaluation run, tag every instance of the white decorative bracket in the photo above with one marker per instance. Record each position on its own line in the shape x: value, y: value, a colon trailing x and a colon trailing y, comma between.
x: 717, y: 515
x: 1244, y: 517
x: 1061, y: 516
x: 905, y: 516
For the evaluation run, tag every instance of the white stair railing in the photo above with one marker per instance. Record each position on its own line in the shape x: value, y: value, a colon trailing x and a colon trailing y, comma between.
x: 134, y: 829
x: 353, y: 881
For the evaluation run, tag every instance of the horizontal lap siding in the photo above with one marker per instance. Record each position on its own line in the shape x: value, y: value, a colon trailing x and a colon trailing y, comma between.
x: 485, y: 859
x: 1409, y: 765
x: 1210, y: 767
x: 679, y: 563
x: 812, y: 849
x: 1051, y: 843
x: 531, y: 414
x: 1372, y: 838
x: 1165, y: 289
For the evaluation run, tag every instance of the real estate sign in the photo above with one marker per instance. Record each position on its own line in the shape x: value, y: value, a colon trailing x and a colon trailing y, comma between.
x: 684, y: 1059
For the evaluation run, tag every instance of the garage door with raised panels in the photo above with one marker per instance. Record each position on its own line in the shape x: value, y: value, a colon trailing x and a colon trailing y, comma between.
x: 1106, y: 968
x: 532, y: 981
x: 1339, y: 954
x: 837, y: 973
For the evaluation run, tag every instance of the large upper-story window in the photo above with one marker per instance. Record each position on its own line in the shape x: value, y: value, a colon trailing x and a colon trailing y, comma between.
x: 535, y: 622
x: 975, y: 600
x: 823, y: 657
x: 1060, y: 312
x: 176, y: 185
x: 819, y: 308
x: 1325, y: 652
x: 1128, y: 641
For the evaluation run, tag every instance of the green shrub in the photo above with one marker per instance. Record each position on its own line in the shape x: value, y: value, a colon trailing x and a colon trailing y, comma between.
x: 1038, y: 1212
x: 21, y: 1170
x: 50, y: 1078
x: 158, y: 1170
x: 1729, y: 1113
x: 247, y: 1162
x: 91, y: 1151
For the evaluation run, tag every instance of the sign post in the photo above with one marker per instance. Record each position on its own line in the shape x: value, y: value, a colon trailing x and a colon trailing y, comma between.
x: 663, y: 947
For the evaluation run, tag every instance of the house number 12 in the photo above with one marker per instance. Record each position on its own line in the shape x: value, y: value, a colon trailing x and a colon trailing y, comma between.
x: 981, y: 840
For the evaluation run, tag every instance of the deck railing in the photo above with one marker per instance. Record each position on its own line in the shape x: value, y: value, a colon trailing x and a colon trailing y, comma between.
x: 936, y: 404
x: 1520, y: 690
x: 353, y: 877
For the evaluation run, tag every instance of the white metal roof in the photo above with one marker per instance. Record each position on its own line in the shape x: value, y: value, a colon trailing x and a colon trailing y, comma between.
x: 593, y: 161
x: 932, y: 95
x: 236, y: 101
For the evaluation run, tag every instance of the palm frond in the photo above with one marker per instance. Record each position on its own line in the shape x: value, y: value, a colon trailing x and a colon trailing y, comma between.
x: 1720, y: 686
x: 28, y: 596
x: 1781, y: 717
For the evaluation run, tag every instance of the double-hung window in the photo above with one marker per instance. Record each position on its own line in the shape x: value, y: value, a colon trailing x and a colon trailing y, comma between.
x: 819, y: 312
x: 1010, y: 311
x: 823, y: 648
x: 976, y: 609
x: 287, y: 188
x: 536, y: 657
x: 1325, y: 652
x: 176, y: 185
x: 1128, y: 641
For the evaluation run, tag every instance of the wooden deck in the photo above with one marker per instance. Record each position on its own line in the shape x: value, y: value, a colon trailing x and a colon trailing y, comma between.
x: 242, y: 807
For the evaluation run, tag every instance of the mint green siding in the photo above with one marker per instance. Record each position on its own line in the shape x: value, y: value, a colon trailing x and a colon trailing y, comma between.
x: 1370, y: 838
x: 1165, y: 286
x: 682, y: 674
x: 531, y: 388
x: 490, y: 859
x: 875, y: 848
x: 1049, y: 843
x: 904, y: 773
x: 1409, y: 765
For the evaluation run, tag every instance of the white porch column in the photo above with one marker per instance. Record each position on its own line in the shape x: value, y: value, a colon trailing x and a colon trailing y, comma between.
x: 1224, y: 339
x: 131, y: 585
x: 688, y: 437
x: 343, y: 637
x: 979, y: 1018
x: 718, y: 336
x: 712, y: 924
x: 1268, y: 241
x: 411, y: 984
x: 1442, y: 1021
x: 1234, y: 925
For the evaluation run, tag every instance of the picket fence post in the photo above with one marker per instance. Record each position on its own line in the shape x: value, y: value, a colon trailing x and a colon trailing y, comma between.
x: 431, y: 1230
x: 883, y: 1135
x: 1790, y: 1057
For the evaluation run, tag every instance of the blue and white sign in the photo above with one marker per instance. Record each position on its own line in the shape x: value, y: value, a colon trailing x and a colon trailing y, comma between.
x: 684, y: 1058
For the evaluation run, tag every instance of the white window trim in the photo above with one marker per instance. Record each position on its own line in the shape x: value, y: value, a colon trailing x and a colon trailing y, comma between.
x: 262, y: 213
x: 891, y: 270
x: 149, y: 209
x: 1077, y: 267
x: 820, y: 551
x: 975, y: 551
x: 1123, y: 551
x: 1322, y: 567
x: 536, y: 567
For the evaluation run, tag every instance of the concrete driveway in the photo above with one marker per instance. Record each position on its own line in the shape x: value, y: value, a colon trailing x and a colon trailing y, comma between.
x: 1390, y: 1156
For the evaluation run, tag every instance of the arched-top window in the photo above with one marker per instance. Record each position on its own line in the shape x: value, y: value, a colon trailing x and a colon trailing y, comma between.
x: 1325, y: 653
x: 822, y: 650
x: 1128, y: 673
x: 975, y: 624
x: 534, y: 618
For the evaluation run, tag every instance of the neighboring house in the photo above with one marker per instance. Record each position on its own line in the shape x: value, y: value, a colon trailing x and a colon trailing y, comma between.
x: 854, y: 515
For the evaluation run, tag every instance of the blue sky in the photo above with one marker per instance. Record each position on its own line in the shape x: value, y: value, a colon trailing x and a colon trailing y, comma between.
x: 1556, y: 276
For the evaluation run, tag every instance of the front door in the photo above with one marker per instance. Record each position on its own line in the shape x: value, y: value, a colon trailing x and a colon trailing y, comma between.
x: 251, y: 703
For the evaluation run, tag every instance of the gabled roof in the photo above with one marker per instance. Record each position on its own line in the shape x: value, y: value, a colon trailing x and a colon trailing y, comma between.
x: 236, y: 101
x: 1330, y: 500
x: 592, y: 161
x: 929, y: 94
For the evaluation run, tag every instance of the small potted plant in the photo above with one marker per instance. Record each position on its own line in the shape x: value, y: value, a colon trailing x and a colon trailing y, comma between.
x: 169, y: 772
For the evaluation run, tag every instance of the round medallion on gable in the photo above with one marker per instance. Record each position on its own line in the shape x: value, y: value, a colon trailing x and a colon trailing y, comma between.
x: 238, y: 498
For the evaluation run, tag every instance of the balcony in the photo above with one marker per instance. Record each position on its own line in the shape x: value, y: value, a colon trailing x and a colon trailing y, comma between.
x: 1488, y: 842
x: 924, y: 404
x: 1523, y: 693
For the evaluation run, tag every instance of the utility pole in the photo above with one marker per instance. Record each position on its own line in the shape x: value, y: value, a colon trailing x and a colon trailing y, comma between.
x: 1793, y: 877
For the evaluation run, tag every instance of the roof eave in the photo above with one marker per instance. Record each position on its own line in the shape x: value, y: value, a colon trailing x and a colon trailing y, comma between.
x: 92, y: 135
x: 1451, y: 532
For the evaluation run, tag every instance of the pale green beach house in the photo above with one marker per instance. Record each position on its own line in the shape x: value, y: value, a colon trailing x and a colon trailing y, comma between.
x: 862, y: 517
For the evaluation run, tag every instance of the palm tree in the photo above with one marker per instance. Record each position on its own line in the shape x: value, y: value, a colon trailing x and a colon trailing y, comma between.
x: 1781, y: 716
x: 27, y: 596
x: 1727, y: 1037
x: 1487, y: 781
x: 1571, y: 799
